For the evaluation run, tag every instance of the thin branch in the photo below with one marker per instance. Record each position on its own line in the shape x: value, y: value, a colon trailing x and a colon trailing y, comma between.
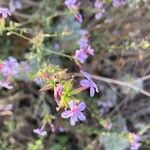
x: 144, y: 78
x: 118, y: 82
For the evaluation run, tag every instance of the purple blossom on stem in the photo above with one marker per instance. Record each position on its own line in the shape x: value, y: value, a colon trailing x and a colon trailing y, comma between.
x: 89, y: 83
x: 80, y: 55
x: 85, y: 50
x: 118, y: 3
x: 75, y: 112
x: 73, y: 5
x: 4, y: 12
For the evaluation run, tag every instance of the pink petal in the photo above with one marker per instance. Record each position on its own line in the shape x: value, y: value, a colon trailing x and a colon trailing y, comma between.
x: 6, y: 85
x: 81, y: 106
x: 87, y: 75
x: 80, y: 56
x: 66, y: 114
x: 73, y: 120
x: 93, y: 84
x: 90, y: 51
x: 79, y: 17
x: 43, y: 133
x: 37, y: 131
x: 81, y: 116
x: 92, y: 91
x: 72, y: 104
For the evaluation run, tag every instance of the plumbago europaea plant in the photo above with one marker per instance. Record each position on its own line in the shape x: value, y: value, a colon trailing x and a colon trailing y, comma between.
x: 53, y: 77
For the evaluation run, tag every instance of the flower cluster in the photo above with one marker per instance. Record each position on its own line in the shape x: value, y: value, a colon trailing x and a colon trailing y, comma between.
x: 99, y: 5
x: 73, y: 5
x: 85, y: 49
x: 89, y: 83
x: 55, y: 78
x: 135, y: 141
x: 59, y: 80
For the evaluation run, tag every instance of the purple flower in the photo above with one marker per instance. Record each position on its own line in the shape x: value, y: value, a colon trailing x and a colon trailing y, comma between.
x: 5, y: 12
x: 80, y: 55
x: 118, y: 3
x: 10, y: 67
x: 85, y: 49
x: 89, y: 83
x: 40, y: 131
x: 79, y: 17
x: 73, y: 5
x: 83, y: 42
x: 98, y: 4
x: 75, y: 113
x: 70, y: 3
x: 58, y: 92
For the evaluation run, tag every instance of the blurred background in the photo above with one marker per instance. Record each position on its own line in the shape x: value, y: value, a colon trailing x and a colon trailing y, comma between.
x: 46, y: 31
